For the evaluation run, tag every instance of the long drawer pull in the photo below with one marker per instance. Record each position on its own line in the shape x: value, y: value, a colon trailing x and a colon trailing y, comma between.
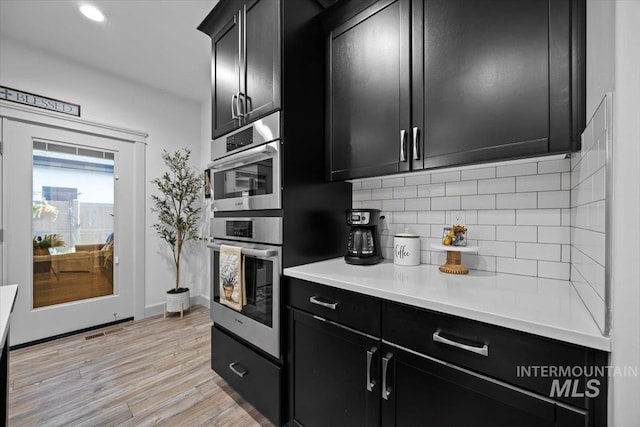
x: 235, y: 370
x: 483, y: 351
x: 314, y: 300
x: 370, y: 383
x: 386, y: 391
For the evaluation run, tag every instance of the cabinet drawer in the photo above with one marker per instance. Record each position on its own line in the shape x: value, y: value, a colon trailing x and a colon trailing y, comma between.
x: 256, y: 379
x: 351, y: 309
x: 515, y: 357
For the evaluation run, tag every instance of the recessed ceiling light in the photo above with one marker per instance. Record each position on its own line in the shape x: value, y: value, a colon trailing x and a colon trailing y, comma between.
x: 92, y: 13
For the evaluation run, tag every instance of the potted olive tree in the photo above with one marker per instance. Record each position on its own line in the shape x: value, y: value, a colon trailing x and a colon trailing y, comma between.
x: 178, y: 216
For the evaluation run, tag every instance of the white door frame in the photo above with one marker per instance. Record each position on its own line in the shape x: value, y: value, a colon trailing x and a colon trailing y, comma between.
x: 30, y: 115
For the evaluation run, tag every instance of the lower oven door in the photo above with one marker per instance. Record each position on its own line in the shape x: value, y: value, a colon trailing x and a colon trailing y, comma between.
x: 259, y: 320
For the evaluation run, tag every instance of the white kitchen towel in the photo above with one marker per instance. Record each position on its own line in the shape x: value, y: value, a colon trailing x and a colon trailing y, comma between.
x: 232, y: 286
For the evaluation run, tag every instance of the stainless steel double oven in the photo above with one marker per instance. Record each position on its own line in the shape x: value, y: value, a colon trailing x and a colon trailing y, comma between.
x: 247, y: 202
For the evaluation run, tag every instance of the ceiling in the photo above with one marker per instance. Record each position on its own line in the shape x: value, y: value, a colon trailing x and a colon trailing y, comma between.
x: 149, y: 42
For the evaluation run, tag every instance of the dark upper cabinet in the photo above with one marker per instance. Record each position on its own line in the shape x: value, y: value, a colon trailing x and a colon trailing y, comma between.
x: 368, y: 104
x: 485, y: 80
x: 246, y: 62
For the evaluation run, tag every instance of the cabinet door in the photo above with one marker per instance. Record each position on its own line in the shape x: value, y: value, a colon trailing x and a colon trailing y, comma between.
x: 424, y: 391
x: 225, y: 52
x: 492, y: 79
x: 334, y: 374
x: 261, y: 81
x: 368, y: 92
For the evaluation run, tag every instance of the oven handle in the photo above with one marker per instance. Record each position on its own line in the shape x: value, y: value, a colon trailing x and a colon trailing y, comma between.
x: 264, y: 253
x: 243, y: 158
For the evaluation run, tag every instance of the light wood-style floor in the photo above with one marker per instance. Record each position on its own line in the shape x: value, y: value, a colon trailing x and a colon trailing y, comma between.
x: 154, y: 372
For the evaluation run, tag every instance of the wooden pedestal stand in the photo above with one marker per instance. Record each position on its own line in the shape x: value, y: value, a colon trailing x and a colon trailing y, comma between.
x: 454, y: 258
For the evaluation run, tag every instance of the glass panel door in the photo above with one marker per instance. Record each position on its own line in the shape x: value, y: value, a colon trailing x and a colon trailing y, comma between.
x: 72, y: 223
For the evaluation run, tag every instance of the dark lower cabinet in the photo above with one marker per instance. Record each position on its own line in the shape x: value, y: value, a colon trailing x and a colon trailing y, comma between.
x: 401, y: 373
x: 335, y: 373
x: 426, y: 391
x: 255, y: 378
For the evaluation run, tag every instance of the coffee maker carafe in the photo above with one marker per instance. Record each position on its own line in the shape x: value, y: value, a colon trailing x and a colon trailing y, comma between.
x: 363, y: 245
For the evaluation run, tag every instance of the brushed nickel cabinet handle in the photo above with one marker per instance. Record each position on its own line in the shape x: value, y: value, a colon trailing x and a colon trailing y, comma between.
x: 386, y: 391
x: 234, y: 98
x: 370, y: 382
x: 483, y: 351
x: 314, y: 300
x: 416, y: 147
x: 403, y: 140
x: 235, y: 370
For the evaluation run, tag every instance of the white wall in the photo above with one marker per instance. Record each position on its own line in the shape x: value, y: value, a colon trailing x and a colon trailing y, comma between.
x: 625, y: 280
x: 170, y: 122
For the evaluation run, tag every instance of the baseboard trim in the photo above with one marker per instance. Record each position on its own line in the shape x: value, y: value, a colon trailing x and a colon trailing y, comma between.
x: 68, y: 334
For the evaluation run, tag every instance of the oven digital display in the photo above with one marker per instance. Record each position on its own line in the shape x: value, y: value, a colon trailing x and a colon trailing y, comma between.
x: 239, y: 229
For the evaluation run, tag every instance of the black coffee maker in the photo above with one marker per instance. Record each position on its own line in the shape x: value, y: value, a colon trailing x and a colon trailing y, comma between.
x: 363, y: 245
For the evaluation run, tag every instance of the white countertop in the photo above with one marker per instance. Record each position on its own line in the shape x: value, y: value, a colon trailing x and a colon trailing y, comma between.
x: 546, y: 307
x: 7, y: 297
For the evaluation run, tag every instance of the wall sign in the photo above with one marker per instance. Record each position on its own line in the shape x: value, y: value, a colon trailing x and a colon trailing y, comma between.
x: 27, y: 98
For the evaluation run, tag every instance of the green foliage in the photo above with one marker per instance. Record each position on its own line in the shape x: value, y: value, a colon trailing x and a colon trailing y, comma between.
x: 47, y: 241
x: 178, y: 215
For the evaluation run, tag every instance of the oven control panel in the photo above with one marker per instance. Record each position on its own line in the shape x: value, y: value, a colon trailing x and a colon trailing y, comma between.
x: 239, y: 229
x: 239, y: 139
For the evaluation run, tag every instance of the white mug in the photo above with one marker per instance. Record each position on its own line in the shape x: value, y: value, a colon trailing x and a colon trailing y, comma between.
x: 406, y: 249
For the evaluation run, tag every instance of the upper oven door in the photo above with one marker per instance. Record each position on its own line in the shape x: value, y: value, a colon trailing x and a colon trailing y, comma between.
x: 259, y: 320
x: 247, y: 180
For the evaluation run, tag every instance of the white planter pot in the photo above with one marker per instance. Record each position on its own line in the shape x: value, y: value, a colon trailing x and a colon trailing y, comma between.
x: 178, y: 303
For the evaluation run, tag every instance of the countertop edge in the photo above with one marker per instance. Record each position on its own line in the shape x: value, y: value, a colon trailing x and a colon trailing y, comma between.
x: 7, y: 298
x: 570, y: 336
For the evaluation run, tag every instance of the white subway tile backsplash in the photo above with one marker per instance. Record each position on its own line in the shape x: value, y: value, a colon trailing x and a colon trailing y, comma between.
x: 393, y: 205
x: 497, y: 217
x: 517, y: 233
x: 381, y: 193
x: 481, y: 232
x: 554, y: 235
x: 553, y: 199
x: 517, y: 170
x: 482, y: 173
x: 485, y: 201
x: 538, y: 217
x: 445, y: 203
x: 360, y: 195
x: 406, y: 192
x: 431, y: 190
x: 405, y: 217
x: 547, y: 182
x: 591, y: 299
x: 554, y: 270
x: 592, y: 272
x: 551, y: 166
x: 565, y: 181
x: 431, y: 217
x: 539, y: 251
x: 502, y: 206
x: 421, y: 204
x: 525, y: 267
x: 371, y: 204
x: 372, y: 183
x: 417, y: 179
x: 517, y: 200
x: 497, y: 248
x: 497, y: 185
x: 461, y: 188
x: 393, y: 182
x: 445, y: 176
x: 590, y: 243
